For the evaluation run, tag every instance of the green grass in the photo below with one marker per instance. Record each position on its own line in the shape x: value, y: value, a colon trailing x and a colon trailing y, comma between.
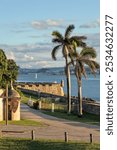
x: 26, y: 97
x: 87, y: 118
x: 21, y: 144
x: 25, y: 123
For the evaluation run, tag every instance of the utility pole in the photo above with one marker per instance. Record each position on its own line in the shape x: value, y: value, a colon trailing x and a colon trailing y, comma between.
x: 6, y: 114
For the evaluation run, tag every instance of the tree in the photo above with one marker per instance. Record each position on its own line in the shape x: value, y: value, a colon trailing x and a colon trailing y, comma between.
x: 12, y: 70
x: 67, y: 43
x: 85, y: 57
x: 3, y: 65
x: 8, y: 73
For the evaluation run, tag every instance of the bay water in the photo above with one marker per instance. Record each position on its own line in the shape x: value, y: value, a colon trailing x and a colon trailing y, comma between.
x: 90, y: 86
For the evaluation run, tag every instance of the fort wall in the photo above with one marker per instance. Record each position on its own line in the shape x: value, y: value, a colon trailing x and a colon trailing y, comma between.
x: 51, y: 88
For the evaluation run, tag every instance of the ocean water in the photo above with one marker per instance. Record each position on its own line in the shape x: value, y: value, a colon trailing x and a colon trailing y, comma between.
x: 90, y: 86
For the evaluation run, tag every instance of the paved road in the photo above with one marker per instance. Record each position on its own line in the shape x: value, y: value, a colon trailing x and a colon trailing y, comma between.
x: 54, y: 128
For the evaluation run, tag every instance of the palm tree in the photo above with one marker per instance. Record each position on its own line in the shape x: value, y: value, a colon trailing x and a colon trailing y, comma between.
x: 67, y: 43
x: 85, y: 57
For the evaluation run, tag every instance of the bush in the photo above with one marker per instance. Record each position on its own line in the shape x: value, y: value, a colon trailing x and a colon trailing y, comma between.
x: 36, y: 104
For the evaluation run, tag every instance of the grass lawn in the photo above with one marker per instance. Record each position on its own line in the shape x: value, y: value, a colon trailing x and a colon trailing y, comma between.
x: 87, y: 118
x: 21, y: 144
x: 26, y: 97
x: 24, y: 123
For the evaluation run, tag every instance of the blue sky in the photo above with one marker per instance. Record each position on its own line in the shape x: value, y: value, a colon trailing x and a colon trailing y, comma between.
x: 26, y: 27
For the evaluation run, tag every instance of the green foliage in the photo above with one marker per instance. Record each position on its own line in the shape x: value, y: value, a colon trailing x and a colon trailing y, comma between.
x: 25, y: 123
x: 3, y: 65
x: 36, y: 104
x: 8, y: 69
x: 85, y: 57
x: 87, y: 117
x: 12, y: 69
x: 25, y: 144
x: 66, y: 42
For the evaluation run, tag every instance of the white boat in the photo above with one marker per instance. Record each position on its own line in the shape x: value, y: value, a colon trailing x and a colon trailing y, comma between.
x: 36, y: 76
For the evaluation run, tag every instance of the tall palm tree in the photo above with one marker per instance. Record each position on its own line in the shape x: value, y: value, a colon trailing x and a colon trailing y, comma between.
x: 85, y: 57
x: 67, y: 43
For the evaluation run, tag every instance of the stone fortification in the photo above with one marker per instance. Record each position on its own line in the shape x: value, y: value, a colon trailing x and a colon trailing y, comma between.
x: 45, y: 87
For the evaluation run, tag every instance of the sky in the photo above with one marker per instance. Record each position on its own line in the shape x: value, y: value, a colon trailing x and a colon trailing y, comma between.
x: 26, y: 28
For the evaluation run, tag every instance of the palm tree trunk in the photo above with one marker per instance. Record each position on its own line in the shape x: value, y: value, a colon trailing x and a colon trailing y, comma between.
x: 68, y: 85
x: 80, y: 113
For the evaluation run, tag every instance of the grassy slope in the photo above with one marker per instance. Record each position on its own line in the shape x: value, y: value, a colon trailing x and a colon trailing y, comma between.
x: 13, y: 144
x: 87, y: 118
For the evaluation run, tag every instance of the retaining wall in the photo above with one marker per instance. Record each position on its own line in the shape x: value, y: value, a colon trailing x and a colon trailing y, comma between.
x: 51, y: 88
x: 88, y: 106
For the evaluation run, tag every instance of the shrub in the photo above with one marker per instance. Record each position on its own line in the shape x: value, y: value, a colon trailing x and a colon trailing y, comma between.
x: 36, y: 105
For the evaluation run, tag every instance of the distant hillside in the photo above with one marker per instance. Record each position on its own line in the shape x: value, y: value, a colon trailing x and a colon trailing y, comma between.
x: 57, y: 70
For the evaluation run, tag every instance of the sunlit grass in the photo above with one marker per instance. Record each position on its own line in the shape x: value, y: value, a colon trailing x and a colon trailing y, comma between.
x: 24, y: 144
x: 24, y: 123
x: 87, y: 118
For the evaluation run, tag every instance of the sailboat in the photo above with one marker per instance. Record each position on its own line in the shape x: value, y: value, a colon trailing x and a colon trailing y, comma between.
x: 35, y: 75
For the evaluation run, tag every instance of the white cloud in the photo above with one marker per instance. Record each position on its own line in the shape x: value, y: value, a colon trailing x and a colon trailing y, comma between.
x: 94, y: 24
x: 41, y: 24
x: 27, y: 57
x: 10, y: 55
x: 94, y: 41
x: 38, y: 55
x: 26, y: 66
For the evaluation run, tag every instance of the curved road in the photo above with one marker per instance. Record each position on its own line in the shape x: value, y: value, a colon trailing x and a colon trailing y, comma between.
x: 54, y: 128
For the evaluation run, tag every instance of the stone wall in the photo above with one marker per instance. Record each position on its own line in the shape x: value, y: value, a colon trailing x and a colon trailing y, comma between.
x: 88, y: 106
x: 51, y: 88
x: 92, y: 108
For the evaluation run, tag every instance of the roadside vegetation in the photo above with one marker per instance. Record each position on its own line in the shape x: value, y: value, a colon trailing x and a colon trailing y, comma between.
x: 24, y: 144
x: 87, y: 117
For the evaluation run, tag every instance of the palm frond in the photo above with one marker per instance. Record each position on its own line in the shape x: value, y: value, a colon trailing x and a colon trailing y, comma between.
x: 88, y: 52
x: 93, y: 65
x: 57, y: 40
x: 69, y: 30
x: 81, y: 38
x: 78, y: 70
x: 82, y: 68
x: 78, y: 40
x: 79, y: 43
x: 54, y: 51
x: 96, y: 64
x: 65, y: 50
x: 57, y: 35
